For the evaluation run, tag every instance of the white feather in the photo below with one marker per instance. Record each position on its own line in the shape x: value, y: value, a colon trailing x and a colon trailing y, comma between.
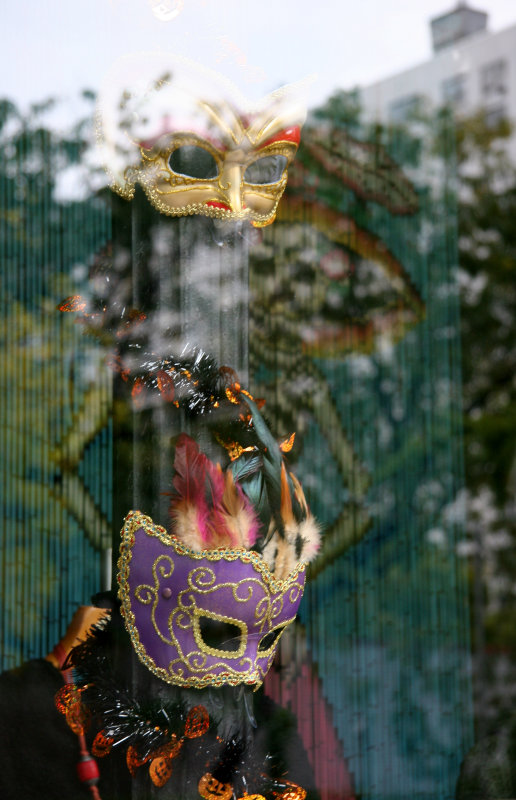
x: 184, y: 526
x: 311, y: 535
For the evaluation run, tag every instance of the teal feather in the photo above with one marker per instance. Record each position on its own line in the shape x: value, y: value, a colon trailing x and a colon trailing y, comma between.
x: 272, y: 460
x: 245, y: 466
x: 269, y: 444
x: 247, y: 473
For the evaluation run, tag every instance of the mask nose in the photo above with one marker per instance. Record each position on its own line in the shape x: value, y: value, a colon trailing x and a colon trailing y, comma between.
x: 231, y: 183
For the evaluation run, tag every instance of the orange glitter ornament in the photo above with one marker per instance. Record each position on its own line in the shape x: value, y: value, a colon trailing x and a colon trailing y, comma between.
x: 102, y: 745
x: 293, y: 792
x: 197, y: 722
x: 169, y: 750
x: 78, y: 717
x: 211, y: 789
x: 166, y: 386
x: 64, y: 696
x: 73, y: 303
x: 231, y: 397
x: 133, y: 760
x: 287, y: 445
x: 160, y: 770
x: 68, y: 702
x: 252, y: 797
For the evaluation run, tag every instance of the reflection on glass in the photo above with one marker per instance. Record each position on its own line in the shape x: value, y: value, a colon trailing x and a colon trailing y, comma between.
x: 342, y: 314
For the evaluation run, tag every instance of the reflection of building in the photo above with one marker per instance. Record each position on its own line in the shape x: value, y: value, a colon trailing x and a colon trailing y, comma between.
x: 471, y: 69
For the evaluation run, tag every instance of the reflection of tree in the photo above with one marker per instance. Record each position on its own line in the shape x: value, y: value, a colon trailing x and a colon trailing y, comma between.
x: 487, y: 209
x: 366, y: 287
x: 55, y: 410
x: 487, y: 260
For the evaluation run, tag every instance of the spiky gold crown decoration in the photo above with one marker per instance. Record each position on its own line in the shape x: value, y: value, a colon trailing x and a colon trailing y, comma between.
x: 193, y: 142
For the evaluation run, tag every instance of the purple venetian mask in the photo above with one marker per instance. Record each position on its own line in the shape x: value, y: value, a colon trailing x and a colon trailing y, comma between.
x: 198, y: 619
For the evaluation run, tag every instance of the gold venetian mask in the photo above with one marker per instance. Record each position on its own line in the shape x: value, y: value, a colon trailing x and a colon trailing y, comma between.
x: 192, y: 143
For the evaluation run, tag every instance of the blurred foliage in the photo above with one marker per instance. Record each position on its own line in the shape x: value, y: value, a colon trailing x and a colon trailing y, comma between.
x: 487, y: 247
x: 486, y: 192
x: 343, y: 108
x: 501, y: 632
x: 44, y: 184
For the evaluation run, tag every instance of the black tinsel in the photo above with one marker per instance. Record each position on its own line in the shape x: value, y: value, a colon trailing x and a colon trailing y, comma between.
x: 146, y: 723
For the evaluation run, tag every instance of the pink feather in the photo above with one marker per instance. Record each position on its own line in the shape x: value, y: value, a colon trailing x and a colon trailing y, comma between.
x: 189, y: 483
x: 190, y: 470
x: 234, y: 518
x: 254, y: 525
x: 215, y: 483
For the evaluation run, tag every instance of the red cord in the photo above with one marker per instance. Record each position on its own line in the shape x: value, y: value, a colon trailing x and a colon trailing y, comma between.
x: 85, y: 756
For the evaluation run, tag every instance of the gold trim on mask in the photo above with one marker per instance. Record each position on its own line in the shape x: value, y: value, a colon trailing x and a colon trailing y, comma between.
x: 202, y: 580
x: 272, y: 648
x: 212, y: 651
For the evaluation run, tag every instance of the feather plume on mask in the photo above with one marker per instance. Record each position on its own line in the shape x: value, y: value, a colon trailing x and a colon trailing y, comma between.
x: 208, y: 509
x: 299, y: 540
x: 290, y: 533
x: 255, y: 502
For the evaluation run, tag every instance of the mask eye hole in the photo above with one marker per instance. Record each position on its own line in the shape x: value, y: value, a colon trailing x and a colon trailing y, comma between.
x: 268, y: 641
x: 219, y: 635
x: 193, y: 161
x: 268, y: 169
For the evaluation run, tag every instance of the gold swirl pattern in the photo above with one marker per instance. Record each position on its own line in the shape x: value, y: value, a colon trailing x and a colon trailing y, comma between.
x: 294, y: 593
x: 144, y: 594
x: 200, y: 597
x: 201, y: 577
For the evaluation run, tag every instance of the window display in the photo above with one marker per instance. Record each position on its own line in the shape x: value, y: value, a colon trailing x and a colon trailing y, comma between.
x: 233, y: 559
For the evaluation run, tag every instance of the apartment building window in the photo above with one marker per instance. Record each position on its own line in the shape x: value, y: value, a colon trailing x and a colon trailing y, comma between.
x: 495, y: 115
x: 404, y: 107
x: 453, y: 90
x: 493, y: 80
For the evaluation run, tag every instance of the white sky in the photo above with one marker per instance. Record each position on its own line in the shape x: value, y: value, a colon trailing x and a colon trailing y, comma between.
x: 55, y: 48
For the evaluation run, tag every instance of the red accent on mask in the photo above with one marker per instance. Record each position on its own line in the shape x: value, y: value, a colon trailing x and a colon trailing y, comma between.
x: 287, y: 135
x: 216, y: 204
